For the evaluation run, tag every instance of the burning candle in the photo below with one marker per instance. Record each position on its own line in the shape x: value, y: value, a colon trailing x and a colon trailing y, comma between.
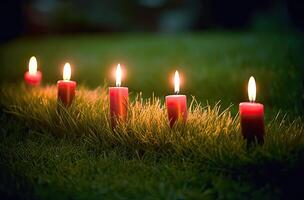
x: 66, y: 88
x: 118, y: 100
x: 252, y: 116
x: 176, y: 104
x: 33, y: 77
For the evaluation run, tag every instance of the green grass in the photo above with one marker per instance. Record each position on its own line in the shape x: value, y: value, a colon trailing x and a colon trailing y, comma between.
x: 144, y: 157
x: 214, y: 66
x: 73, y: 153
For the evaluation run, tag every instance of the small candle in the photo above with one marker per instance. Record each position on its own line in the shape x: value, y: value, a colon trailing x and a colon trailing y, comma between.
x: 118, y: 100
x: 252, y: 116
x: 176, y: 104
x: 33, y: 77
x: 66, y: 88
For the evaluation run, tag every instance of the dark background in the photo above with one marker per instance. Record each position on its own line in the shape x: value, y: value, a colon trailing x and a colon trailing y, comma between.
x: 40, y: 17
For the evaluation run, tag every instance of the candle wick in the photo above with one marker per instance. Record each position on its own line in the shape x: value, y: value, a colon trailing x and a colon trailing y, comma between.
x: 176, y: 92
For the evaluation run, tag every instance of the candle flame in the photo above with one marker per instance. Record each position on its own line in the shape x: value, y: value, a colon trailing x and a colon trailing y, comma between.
x: 118, y: 76
x: 67, y: 72
x: 33, y: 65
x: 176, y: 82
x: 251, y: 89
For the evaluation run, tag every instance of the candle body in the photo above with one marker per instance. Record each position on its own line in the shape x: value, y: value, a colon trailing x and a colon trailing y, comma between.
x: 33, y: 79
x: 66, y: 91
x: 176, y: 108
x: 252, y: 121
x: 119, y: 98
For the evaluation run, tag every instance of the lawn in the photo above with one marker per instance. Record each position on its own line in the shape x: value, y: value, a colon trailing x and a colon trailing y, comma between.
x: 75, y: 154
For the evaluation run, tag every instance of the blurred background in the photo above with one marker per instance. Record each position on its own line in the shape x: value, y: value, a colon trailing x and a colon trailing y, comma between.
x: 216, y: 46
x: 35, y: 17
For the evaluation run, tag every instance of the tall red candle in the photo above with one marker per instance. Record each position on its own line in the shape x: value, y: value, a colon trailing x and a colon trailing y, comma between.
x: 119, y: 98
x: 66, y: 88
x: 252, y: 116
x: 176, y: 104
x: 33, y: 77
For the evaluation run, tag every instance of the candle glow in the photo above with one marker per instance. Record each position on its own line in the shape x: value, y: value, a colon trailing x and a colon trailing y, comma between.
x: 251, y: 89
x: 176, y: 82
x: 119, y: 98
x: 252, y: 116
x: 67, y: 72
x: 66, y: 87
x: 118, y: 76
x: 33, y: 76
x: 176, y: 104
x: 33, y: 65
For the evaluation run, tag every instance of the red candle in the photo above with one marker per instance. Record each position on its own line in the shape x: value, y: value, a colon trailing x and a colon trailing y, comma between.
x: 176, y: 104
x: 66, y: 88
x: 33, y: 77
x: 252, y: 116
x: 118, y: 100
